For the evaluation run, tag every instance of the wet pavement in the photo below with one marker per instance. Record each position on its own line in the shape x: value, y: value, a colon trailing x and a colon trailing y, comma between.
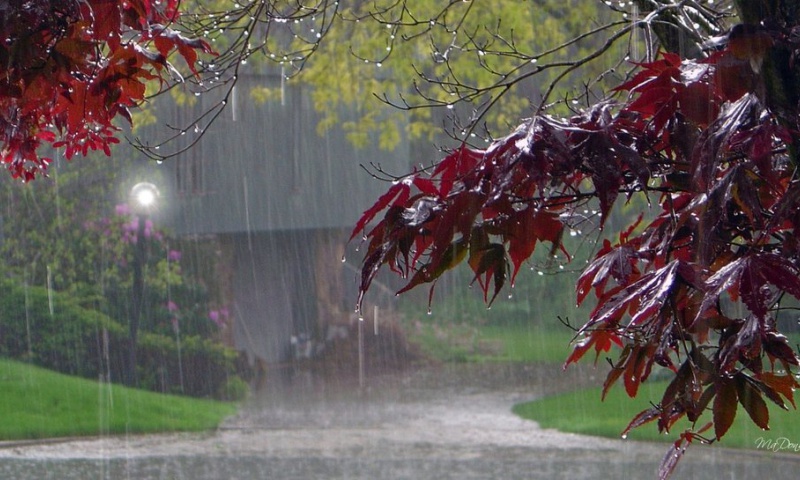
x: 451, y: 422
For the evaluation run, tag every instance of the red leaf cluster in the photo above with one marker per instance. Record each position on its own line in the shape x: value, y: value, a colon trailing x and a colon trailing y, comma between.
x: 69, y: 69
x: 722, y: 166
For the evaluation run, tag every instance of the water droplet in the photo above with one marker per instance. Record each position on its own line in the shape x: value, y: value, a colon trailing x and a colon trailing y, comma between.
x: 624, y: 436
x: 344, y: 259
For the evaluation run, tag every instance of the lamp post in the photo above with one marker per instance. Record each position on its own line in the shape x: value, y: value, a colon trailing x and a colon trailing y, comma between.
x: 143, y: 198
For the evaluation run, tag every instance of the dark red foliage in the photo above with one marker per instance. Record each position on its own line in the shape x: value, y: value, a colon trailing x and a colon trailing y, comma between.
x: 720, y: 169
x: 68, y: 69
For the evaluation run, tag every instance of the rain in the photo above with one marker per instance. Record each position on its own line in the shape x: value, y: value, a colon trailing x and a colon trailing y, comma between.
x: 224, y: 275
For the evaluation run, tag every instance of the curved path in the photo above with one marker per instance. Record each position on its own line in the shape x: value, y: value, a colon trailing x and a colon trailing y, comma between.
x: 436, y: 423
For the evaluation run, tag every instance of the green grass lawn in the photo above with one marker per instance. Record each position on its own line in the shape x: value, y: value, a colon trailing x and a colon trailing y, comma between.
x: 523, y: 343
x: 38, y: 403
x: 582, y: 412
x: 515, y: 342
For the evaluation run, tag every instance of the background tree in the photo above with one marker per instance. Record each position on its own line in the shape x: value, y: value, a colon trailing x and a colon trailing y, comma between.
x: 706, y: 130
x: 76, y: 69
x: 415, y: 55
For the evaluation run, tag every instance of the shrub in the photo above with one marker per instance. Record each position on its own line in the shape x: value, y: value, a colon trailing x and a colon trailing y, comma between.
x: 53, y: 331
x: 234, y: 389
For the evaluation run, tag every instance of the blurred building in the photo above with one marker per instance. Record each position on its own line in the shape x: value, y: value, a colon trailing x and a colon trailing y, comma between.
x: 282, y: 201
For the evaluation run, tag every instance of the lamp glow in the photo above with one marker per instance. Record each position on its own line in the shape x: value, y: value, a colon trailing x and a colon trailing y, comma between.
x: 143, y: 198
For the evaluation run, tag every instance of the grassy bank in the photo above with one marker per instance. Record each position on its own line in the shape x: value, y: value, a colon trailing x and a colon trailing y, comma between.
x: 582, y: 412
x: 38, y: 403
x: 514, y: 342
x: 523, y: 343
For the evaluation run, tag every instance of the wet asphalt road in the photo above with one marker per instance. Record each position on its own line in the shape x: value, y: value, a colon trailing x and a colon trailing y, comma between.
x: 436, y: 423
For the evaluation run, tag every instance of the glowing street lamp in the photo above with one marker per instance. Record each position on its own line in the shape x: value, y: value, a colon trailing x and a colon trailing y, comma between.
x: 142, y: 200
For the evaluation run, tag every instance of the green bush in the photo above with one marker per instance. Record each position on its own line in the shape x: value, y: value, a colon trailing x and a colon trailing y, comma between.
x: 234, y: 390
x: 53, y: 331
